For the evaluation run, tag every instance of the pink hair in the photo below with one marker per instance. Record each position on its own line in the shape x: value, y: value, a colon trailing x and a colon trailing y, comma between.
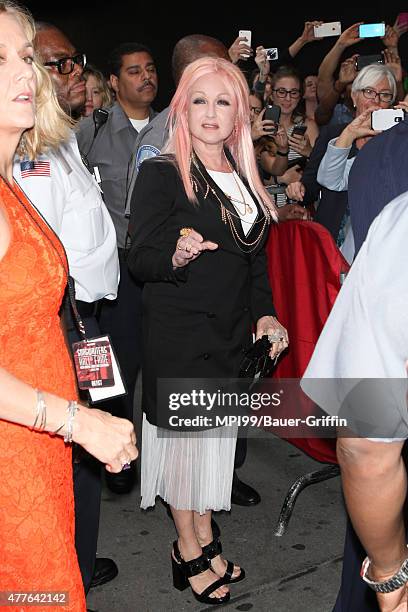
x: 239, y: 142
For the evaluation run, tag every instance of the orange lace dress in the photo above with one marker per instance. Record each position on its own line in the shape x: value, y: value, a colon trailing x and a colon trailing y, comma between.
x: 37, y: 551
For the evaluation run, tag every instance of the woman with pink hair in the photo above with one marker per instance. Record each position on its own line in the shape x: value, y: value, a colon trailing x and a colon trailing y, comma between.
x: 199, y: 222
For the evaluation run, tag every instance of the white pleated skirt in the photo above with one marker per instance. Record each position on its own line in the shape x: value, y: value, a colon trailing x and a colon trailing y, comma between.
x: 188, y: 470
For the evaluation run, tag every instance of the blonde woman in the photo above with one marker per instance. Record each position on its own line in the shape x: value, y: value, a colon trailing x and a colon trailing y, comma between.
x: 38, y: 408
x: 98, y: 94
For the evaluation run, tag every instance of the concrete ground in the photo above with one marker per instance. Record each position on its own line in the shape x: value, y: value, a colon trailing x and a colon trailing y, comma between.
x: 297, y: 572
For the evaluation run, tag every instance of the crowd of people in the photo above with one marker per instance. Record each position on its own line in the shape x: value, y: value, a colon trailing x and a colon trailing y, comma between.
x: 138, y: 237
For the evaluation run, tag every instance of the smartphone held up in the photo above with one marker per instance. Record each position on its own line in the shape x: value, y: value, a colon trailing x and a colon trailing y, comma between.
x: 366, y: 60
x: 272, y: 54
x: 333, y: 28
x: 386, y: 118
x: 247, y: 35
x: 272, y: 113
x: 371, y: 30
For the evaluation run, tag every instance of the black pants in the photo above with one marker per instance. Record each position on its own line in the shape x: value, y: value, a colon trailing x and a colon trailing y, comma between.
x: 122, y: 320
x: 87, y: 476
x: 354, y: 594
x: 240, y: 451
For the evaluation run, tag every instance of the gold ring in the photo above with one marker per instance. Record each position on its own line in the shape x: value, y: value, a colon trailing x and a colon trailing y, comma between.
x: 186, y: 231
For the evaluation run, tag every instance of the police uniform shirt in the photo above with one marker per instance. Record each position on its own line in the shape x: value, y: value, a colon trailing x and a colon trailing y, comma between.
x: 68, y: 197
x: 112, y: 152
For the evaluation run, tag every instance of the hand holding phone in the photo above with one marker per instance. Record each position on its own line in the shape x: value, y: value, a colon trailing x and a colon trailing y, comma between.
x: 272, y: 113
x: 299, y: 130
x: 247, y: 35
x: 299, y: 141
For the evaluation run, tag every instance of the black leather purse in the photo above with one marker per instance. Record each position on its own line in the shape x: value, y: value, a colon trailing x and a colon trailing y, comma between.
x: 256, y: 362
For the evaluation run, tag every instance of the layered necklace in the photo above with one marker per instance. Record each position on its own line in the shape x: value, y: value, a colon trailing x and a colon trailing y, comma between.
x: 227, y: 216
x: 247, y: 207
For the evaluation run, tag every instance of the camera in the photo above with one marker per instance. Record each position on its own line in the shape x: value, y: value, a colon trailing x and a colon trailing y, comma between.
x: 272, y: 53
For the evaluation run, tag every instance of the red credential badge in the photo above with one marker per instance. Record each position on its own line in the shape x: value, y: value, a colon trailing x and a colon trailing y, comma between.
x: 93, y: 363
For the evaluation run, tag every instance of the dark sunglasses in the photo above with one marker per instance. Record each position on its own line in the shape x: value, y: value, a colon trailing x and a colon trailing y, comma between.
x: 65, y: 65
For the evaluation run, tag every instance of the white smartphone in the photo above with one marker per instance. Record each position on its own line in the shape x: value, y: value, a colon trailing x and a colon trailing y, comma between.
x: 248, y: 35
x: 272, y: 53
x: 386, y: 118
x: 333, y: 28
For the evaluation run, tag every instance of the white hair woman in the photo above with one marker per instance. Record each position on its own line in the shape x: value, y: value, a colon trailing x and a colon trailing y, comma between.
x: 373, y: 88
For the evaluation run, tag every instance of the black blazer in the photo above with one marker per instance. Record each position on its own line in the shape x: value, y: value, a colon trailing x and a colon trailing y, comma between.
x: 197, y: 320
x: 333, y: 204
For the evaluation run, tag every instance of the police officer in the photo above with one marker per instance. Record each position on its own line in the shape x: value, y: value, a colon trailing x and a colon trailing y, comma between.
x: 109, y: 148
x: 68, y: 197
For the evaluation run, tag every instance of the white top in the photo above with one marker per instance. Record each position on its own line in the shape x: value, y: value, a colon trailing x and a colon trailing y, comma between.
x: 228, y: 183
x: 139, y: 124
x: 69, y: 199
x: 366, y: 334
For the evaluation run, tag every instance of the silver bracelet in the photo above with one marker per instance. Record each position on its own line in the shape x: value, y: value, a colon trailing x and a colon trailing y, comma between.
x: 386, y: 586
x: 41, y: 413
x: 72, y: 409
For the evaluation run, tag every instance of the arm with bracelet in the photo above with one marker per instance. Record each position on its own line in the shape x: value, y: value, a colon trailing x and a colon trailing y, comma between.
x: 105, y: 437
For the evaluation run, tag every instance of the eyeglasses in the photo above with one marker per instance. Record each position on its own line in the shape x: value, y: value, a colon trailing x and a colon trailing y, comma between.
x: 255, y: 109
x: 65, y: 65
x: 383, y: 96
x: 281, y: 92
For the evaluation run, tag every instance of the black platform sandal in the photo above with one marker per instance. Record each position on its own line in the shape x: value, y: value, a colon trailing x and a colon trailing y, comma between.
x: 183, y: 570
x: 213, y: 549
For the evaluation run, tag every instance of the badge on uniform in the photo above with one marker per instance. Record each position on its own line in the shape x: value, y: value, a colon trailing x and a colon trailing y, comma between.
x: 97, y: 368
x: 30, y: 168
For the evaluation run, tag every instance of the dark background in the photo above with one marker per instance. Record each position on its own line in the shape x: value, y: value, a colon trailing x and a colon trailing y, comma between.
x: 96, y: 27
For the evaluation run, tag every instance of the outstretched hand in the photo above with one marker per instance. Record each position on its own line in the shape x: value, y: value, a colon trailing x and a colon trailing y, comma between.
x: 189, y: 247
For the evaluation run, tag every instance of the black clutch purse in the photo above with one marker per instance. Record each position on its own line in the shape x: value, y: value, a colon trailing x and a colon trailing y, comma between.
x: 256, y: 362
